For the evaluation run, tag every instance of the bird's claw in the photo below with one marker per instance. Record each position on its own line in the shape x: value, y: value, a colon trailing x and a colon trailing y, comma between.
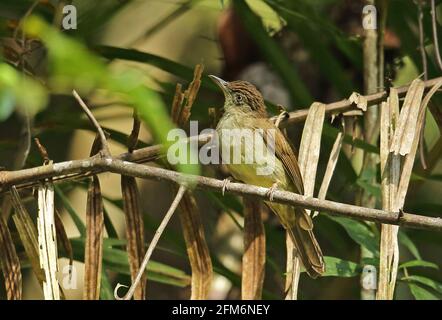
x: 282, y: 115
x: 272, y: 190
x: 226, y: 182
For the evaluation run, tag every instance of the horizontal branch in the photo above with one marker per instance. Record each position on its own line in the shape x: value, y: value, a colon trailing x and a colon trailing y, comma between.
x: 347, y: 105
x: 152, y: 153
x: 115, y: 165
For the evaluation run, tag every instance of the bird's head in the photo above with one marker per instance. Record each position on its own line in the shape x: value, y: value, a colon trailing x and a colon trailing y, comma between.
x: 241, y: 95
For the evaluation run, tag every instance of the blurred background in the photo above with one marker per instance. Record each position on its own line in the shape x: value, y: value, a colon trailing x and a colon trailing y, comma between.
x: 295, y: 52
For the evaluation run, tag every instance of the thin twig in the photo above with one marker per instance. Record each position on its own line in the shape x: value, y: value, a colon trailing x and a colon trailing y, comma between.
x: 425, y: 71
x: 152, y: 246
x: 104, y: 144
x: 420, y: 17
x: 25, y: 16
x: 43, y: 152
x: 435, y: 39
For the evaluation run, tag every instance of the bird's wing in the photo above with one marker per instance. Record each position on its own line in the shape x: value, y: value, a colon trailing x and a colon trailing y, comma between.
x: 284, y: 152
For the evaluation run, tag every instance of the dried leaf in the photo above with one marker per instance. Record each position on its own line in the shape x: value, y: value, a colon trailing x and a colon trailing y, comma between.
x: 310, y: 146
x: 132, y: 140
x: 47, y: 241
x: 390, y: 170
x: 190, y: 94
x: 308, y: 164
x: 331, y: 165
x: 177, y: 103
x: 404, y: 134
x: 62, y: 237
x: 197, y: 249
x: 134, y: 232
x: 10, y: 264
x: 183, y: 102
x: 94, y: 241
x: 253, y: 260
x: 28, y: 234
x: 359, y: 100
x: 409, y: 159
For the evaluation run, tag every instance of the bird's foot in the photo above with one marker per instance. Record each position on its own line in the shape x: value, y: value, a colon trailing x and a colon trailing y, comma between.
x: 282, y: 115
x: 226, y: 182
x: 272, y: 190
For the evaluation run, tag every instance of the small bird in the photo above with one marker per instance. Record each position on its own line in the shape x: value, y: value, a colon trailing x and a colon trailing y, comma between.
x: 244, y: 108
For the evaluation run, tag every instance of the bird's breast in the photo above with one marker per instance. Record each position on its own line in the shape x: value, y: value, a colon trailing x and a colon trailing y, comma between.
x: 245, y: 153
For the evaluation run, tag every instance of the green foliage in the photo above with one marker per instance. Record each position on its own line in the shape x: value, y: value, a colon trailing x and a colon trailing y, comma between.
x: 80, y: 60
x: 73, y: 66
x: 274, y: 54
x: 19, y: 90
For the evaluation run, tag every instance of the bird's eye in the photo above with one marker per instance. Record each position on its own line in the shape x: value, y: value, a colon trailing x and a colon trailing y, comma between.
x: 238, y: 98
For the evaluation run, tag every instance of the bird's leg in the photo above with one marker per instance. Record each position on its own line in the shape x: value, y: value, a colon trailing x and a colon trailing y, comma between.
x: 226, y: 182
x: 272, y: 190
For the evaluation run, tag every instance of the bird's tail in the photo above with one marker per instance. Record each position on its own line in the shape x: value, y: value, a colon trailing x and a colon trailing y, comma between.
x: 301, y: 233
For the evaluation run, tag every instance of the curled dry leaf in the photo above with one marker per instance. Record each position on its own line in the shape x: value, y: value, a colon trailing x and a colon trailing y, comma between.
x: 359, y: 100
x: 28, y: 234
x: 406, y: 128
x: 197, y: 249
x: 409, y: 159
x: 63, y: 238
x: 47, y: 241
x: 331, y: 165
x: 10, y: 264
x: 390, y: 170
x: 94, y: 241
x: 310, y: 147
x: 134, y: 232
x: 309, y: 151
x: 193, y: 229
x: 253, y: 260
x: 183, y: 102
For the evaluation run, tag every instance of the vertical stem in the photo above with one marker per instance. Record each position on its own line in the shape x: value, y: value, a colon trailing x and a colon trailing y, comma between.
x: 373, y: 53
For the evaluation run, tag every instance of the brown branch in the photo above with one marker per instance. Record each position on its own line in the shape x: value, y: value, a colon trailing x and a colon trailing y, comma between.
x: 115, y: 165
x: 154, y: 152
x: 346, y: 104
x: 104, y: 145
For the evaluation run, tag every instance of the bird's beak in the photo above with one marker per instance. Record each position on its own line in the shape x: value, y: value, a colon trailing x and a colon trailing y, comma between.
x: 220, y: 83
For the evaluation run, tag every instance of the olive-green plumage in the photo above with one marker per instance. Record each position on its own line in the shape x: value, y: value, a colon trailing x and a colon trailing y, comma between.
x: 245, y: 109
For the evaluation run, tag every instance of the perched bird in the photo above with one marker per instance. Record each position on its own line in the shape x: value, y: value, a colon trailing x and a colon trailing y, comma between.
x: 244, y: 108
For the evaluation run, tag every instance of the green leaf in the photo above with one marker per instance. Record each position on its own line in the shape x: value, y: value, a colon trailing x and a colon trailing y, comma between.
x: 371, y: 188
x: 21, y: 90
x: 409, y: 244
x: 73, y: 66
x: 117, y: 261
x: 330, y: 131
x: 418, y: 263
x: 164, y: 64
x: 317, y: 44
x: 335, y: 267
x: 360, y: 233
x: 420, y: 293
x: 425, y: 281
x: 315, y: 16
x: 106, y: 290
x: 274, y: 54
x: 7, y: 102
x: 71, y: 211
x: 108, y: 225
